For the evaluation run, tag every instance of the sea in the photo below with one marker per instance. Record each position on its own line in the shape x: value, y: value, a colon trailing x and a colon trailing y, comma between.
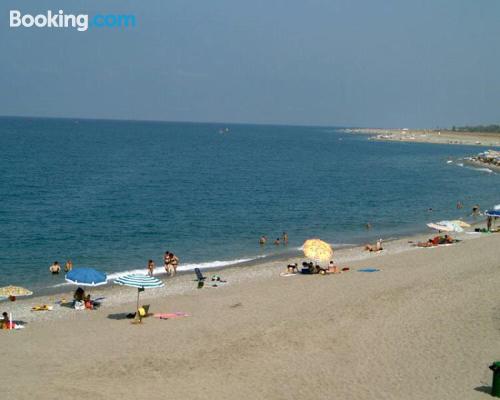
x: 113, y: 194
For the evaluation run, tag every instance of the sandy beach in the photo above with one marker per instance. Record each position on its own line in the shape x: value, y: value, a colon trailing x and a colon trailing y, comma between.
x: 424, y: 327
x: 431, y: 136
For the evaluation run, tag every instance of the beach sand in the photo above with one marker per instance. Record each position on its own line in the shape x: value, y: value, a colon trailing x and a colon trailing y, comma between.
x: 425, y: 327
x: 431, y: 136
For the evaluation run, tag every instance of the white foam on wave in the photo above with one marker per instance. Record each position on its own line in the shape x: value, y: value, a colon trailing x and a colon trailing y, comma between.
x: 185, y: 267
x: 182, y: 267
x: 489, y: 171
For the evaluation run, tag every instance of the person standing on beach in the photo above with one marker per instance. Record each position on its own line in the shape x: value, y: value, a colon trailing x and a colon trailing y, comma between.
x: 165, y: 260
x: 171, y: 263
x: 285, y: 238
x: 68, y: 266
x: 489, y: 222
x: 151, y: 267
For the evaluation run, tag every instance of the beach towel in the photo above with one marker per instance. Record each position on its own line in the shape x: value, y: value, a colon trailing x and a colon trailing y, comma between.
x: 368, y: 270
x: 179, y: 314
x: 43, y: 307
x: 287, y: 274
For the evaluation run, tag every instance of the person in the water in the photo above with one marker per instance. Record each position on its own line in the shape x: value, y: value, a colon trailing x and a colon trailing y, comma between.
x: 55, y: 268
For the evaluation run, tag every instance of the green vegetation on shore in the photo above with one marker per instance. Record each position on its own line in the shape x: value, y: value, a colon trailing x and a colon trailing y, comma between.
x: 477, y: 128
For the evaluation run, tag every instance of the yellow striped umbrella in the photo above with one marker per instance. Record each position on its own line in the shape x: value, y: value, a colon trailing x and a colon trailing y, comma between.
x: 16, y: 291
x: 317, y: 250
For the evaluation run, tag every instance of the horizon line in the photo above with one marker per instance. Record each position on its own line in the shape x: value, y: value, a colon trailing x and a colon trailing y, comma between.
x: 207, y: 122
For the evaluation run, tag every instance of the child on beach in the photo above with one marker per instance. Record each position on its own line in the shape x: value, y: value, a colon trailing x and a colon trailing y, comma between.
x: 68, y: 266
x: 151, y: 267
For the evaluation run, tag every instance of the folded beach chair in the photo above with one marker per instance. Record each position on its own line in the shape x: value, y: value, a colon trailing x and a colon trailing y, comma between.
x: 199, y: 277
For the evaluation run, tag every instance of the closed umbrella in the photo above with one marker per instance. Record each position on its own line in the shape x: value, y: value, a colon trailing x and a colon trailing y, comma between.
x: 141, y: 282
x: 317, y: 250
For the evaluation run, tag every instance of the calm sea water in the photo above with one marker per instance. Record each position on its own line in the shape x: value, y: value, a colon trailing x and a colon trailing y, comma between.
x: 113, y: 194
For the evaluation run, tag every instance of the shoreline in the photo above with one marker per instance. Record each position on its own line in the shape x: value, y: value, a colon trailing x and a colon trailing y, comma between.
x: 63, y: 288
x: 484, y: 139
x: 184, y: 282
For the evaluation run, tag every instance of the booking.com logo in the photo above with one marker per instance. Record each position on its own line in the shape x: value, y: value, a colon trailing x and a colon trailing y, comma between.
x: 81, y: 22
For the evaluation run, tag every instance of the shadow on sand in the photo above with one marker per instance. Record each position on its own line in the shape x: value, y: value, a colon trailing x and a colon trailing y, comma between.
x: 483, y: 389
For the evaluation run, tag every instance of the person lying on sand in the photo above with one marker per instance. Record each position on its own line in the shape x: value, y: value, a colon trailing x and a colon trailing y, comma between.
x: 376, y: 247
x: 437, y: 240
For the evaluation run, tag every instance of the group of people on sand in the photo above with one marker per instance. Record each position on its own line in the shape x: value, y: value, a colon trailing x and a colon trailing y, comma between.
x: 277, y: 242
x: 82, y: 301
x: 170, y: 263
x: 55, y: 268
x: 311, y: 268
x: 436, y: 241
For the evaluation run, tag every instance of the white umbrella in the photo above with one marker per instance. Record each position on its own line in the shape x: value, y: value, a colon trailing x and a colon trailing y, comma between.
x: 446, y: 226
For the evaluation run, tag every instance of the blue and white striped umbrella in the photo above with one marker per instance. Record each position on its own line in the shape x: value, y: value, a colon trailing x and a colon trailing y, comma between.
x: 139, y: 281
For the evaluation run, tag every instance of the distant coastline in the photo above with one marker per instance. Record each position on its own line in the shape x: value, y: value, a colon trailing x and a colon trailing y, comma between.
x: 490, y: 139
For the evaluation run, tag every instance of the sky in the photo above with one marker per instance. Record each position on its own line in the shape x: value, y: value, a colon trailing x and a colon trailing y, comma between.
x: 373, y: 63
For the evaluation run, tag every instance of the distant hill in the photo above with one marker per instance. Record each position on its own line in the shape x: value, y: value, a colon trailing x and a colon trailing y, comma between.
x: 477, y: 128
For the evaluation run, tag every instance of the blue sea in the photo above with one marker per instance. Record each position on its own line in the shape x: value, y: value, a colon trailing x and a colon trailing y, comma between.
x: 113, y: 194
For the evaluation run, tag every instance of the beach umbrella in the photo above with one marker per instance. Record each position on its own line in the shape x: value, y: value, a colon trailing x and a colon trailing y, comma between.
x: 446, y: 226
x: 141, y: 282
x: 86, y: 277
x: 460, y: 223
x: 13, y: 292
x: 493, y: 213
x: 317, y: 250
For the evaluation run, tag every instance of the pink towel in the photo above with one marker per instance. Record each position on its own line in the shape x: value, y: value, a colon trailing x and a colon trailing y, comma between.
x: 171, y: 315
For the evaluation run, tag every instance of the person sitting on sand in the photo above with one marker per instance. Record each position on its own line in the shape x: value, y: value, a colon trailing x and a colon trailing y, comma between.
x: 89, y: 305
x: 79, y: 294
x: 68, y: 266
x: 332, y: 268
x: 5, y: 321
x: 376, y: 247
x: 151, y: 267
x: 446, y: 240
x: 55, y: 268
x: 292, y: 268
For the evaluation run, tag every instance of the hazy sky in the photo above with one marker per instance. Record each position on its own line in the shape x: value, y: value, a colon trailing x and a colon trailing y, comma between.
x: 387, y: 63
